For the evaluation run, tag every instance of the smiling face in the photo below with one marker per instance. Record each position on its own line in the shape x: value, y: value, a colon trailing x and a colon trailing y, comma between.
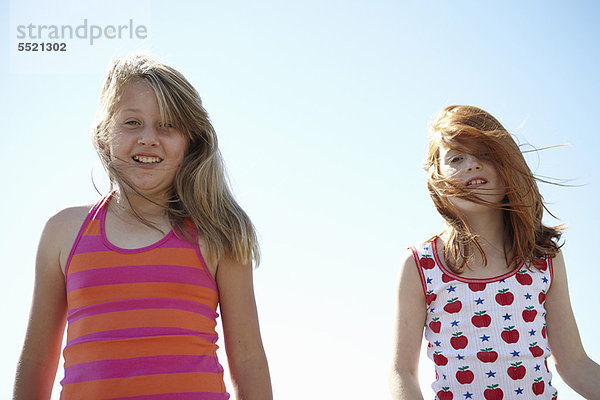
x: 489, y: 169
x: 478, y: 175
x: 146, y: 151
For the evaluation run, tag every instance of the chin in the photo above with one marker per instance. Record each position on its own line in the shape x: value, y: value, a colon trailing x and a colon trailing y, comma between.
x: 469, y: 207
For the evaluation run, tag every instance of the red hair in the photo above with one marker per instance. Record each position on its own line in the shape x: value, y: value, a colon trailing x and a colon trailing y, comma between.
x: 477, y: 132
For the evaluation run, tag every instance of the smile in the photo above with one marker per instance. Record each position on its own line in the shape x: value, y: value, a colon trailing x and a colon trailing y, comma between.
x: 476, y: 181
x: 147, y: 159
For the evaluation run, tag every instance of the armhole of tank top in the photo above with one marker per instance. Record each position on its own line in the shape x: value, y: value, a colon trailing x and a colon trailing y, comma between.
x: 550, y: 271
x: 193, y: 230
x: 418, y: 265
x: 91, y: 215
x: 205, y: 267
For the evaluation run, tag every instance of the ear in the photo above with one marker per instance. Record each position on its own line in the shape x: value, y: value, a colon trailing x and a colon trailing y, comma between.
x: 100, y: 140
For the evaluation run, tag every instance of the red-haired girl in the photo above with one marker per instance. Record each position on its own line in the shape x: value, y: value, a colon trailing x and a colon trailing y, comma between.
x: 490, y: 291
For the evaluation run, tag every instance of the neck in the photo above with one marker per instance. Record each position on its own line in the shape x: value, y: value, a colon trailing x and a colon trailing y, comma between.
x: 490, y: 229
x: 151, y: 209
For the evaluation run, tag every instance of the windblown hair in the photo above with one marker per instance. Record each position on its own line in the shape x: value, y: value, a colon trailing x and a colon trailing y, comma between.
x: 474, y: 131
x: 200, y: 191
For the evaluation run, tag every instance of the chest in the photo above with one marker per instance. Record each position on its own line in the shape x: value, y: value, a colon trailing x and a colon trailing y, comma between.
x: 517, y: 296
x: 131, y: 233
x: 512, y: 302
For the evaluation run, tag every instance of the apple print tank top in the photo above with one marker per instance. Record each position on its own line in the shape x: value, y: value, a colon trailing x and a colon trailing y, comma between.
x: 487, y: 337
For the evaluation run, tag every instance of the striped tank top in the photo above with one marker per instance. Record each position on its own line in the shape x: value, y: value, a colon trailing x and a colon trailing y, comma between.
x: 141, y: 322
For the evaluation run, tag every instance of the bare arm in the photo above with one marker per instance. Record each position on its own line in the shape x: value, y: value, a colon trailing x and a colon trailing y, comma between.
x: 410, y: 320
x: 572, y: 363
x: 41, y: 351
x: 243, y: 344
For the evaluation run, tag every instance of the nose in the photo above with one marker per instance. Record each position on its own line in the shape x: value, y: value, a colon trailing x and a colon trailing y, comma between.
x: 148, y: 137
x: 473, y: 163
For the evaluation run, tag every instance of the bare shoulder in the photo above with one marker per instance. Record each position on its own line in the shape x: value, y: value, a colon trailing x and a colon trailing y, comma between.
x: 65, y: 221
x: 558, y: 283
x: 409, y: 280
x: 69, y: 215
x: 558, y: 261
x: 410, y: 287
x: 61, y: 231
x: 408, y: 260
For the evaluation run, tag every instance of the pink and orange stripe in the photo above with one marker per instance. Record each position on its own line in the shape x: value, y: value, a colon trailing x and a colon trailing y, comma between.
x: 141, y: 322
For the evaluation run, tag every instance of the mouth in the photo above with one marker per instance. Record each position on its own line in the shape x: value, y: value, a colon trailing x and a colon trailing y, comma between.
x: 146, y: 159
x: 476, y: 182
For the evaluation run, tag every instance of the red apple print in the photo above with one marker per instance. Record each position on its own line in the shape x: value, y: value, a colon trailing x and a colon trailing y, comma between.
x: 554, y: 395
x: 516, y: 371
x: 524, y: 278
x: 481, y: 319
x: 541, y: 264
x: 435, y: 325
x: 493, y: 392
x: 544, y: 331
x: 464, y: 376
x: 538, y: 386
x: 439, y: 359
x: 542, y: 296
x: 546, y: 365
x: 453, y: 306
x: 476, y: 287
x: 510, y: 335
x: 458, y: 341
x: 504, y: 297
x: 529, y: 314
x: 445, y: 394
x: 427, y: 262
x: 447, y: 278
x: 487, y: 355
x: 536, y: 350
x: 430, y: 297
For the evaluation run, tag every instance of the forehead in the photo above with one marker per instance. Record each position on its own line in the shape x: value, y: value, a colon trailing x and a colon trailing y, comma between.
x: 445, y: 149
x: 466, y: 145
x: 138, y: 93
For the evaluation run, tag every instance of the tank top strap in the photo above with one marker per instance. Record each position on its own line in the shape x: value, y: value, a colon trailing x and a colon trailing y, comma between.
x: 99, y: 209
x: 92, y: 219
x: 423, y: 254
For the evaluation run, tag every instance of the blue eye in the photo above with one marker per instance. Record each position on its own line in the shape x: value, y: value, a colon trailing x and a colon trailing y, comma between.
x: 455, y: 159
x: 132, y: 123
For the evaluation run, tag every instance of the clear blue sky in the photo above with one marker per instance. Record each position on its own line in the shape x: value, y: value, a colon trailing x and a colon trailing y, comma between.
x: 321, y: 108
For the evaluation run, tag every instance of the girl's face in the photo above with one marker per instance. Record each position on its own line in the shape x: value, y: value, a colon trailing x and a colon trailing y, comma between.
x: 477, y: 174
x: 145, y: 151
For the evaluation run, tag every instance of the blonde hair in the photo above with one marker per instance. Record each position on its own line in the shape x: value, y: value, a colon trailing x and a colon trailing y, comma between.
x: 477, y: 132
x: 200, y: 190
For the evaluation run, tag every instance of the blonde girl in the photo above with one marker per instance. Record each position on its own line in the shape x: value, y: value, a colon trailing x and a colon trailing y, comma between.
x: 138, y: 276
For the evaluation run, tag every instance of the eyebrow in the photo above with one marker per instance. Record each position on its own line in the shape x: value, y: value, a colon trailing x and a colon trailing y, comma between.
x: 131, y: 109
x: 452, y: 152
